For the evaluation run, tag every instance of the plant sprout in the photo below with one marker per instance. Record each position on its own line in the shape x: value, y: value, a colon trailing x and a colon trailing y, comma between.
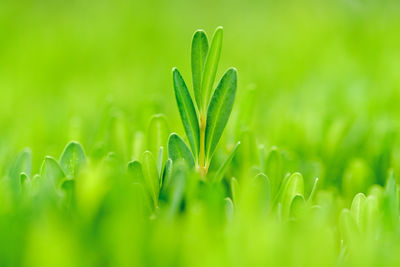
x: 205, y: 118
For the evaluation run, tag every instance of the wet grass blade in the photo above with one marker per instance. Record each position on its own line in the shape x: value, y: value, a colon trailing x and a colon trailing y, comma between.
x: 219, y: 111
x: 210, y: 68
x: 72, y: 159
x: 177, y: 149
x: 199, y: 54
x: 187, y: 112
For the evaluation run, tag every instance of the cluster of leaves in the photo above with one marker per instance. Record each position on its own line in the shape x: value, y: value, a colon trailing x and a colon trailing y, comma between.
x: 204, y: 122
x: 174, y: 206
x: 138, y: 203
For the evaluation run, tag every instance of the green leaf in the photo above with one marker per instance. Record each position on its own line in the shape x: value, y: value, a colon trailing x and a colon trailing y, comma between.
x: 297, y: 207
x: 177, y: 149
x: 219, y: 110
x: 72, y: 159
x: 313, y: 190
x: 151, y: 178
x: 222, y: 169
x: 294, y: 186
x: 24, y: 178
x: 167, y: 173
x: 210, y: 68
x: 135, y: 171
x: 166, y: 179
x: 138, y: 145
x: 187, y: 112
x: 199, y: 54
x: 52, y: 171
x: 157, y: 134
x: 358, y: 209
x: 25, y: 182
x: 22, y: 164
x: 68, y: 189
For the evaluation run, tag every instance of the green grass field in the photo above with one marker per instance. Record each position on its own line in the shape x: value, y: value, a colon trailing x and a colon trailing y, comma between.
x: 87, y: 98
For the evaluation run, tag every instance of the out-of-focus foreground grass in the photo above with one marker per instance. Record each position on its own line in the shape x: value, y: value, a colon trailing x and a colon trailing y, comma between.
x: 318, y: 79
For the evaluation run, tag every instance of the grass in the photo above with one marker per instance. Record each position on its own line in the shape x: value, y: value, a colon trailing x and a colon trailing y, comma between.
x: 293, y: 163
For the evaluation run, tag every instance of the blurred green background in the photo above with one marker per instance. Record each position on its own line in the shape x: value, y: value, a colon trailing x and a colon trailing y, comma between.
x: 319, y: 68
x: 325, y: 79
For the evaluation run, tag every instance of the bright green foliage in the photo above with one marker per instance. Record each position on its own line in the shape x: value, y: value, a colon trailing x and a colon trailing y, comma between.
x: 219, y: 110
x: 199, y: 54
x: 187, y: 112
x: 210, y: 68
x: 177, y: 149
x: 22, y: 165
x: 204, y: 129
x: 317, y: 96
x: 135, y: 171
x: 293, y: 187
x: 72, y: 159
x: 51, y: 172
x: 298, y: 208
